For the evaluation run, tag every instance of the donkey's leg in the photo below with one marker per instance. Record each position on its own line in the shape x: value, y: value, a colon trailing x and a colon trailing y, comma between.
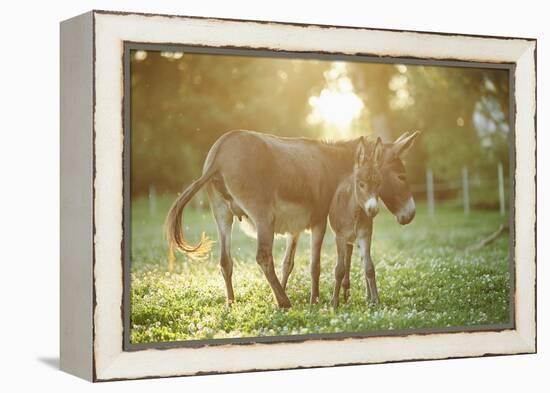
x: 317, y: 235
x: 288, y: 262
x: 370, y: 274
x: 224, y: 221
x: 264, y: 257
x: 339, y: 270
x: 346, y: 282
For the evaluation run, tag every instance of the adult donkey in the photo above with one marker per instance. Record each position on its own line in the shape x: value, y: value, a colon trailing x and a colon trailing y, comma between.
x: 279, y: 185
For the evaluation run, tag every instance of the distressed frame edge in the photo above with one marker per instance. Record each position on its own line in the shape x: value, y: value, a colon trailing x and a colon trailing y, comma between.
x: 525, y: 226
x: 76, y: 196
x: 307, y: 367
x: 526, y: 338
x: 305, y: 24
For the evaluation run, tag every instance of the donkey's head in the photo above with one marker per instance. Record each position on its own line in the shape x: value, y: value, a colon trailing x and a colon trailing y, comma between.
x: 395, y: 190
x: 367, y: 177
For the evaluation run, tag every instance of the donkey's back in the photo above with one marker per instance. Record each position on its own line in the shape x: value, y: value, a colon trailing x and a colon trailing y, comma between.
x: 290, y: 180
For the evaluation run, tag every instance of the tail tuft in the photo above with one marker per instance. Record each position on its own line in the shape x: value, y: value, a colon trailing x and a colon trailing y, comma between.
x: 173, y: 228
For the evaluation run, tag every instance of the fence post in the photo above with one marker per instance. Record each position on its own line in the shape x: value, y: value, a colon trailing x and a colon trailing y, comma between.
x: 466, y: 190
x: 430, y: 191
x: 501, y: 199
x: 152, y: 200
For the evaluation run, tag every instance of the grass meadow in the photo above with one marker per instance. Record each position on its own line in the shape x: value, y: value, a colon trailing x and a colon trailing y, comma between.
x: 425, y: 279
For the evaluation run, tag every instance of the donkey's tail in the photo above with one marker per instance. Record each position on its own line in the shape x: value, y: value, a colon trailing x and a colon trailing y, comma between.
x: 173, y: 226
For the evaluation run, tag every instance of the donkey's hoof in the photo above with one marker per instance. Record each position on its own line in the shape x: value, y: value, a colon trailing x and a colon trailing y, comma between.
x: 284, y: 304
x: 346, y: 296
x: 314, y: 300
x: 335, y: 302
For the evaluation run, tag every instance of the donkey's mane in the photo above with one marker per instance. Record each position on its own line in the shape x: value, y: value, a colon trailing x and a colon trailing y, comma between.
x: 348, y: 142
x: 345, y: 142
x: 337, y: 142
x: 327, y: 142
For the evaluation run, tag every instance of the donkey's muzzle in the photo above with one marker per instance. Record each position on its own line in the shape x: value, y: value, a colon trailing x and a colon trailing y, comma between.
x: 407, y: 212
x: 404, y: 220
x: 371, y: 207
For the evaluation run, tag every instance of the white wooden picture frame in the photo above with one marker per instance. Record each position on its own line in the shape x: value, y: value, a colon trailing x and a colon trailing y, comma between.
x: 92, y: 195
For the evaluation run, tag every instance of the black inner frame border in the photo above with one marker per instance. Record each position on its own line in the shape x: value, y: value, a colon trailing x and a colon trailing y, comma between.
x: 129, y: 46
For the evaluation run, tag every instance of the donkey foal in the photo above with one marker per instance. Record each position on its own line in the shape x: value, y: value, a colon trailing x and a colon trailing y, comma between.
x: 351, y: 215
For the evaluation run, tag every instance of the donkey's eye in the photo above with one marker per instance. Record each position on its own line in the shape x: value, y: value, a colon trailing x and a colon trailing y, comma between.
x: 362, y: 185
x: 402, y: 177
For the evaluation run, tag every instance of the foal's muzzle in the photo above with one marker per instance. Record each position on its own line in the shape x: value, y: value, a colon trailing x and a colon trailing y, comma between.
x: 371, y: 207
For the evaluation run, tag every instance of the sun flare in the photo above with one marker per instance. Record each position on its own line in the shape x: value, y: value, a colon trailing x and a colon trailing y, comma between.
x: 337, y: 105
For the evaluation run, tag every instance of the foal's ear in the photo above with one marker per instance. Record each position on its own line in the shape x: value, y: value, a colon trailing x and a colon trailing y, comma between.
x: 377, y: 152
x: 402, y: 144
x: 360, y: 153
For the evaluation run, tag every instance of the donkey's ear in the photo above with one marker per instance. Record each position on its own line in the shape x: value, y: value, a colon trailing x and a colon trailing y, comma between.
x: 402, y: 145
x: 360, y: 153
x: 377, y: 152
x: 403, y: 135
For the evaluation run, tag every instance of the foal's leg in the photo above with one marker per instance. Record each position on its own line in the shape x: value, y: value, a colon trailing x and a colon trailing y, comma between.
x: 264, y: 257
x: 370, y: 275
x: 288, y: 262
x: 224, y: 221
x: 317, y: 235
x: 346, y: 282
x: 339, y: 270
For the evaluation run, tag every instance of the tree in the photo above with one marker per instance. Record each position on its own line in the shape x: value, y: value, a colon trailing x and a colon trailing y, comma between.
x: 181, y: 103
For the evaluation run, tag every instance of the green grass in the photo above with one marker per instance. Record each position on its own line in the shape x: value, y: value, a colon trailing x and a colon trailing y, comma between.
x: 424, y: 279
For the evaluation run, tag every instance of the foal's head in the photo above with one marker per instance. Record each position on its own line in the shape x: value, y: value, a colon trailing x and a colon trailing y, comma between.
x: 367, y: 178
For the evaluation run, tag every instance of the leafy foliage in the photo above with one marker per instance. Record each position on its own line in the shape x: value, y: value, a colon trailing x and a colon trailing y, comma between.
x: 181, y: 105
x: 182, y: 102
